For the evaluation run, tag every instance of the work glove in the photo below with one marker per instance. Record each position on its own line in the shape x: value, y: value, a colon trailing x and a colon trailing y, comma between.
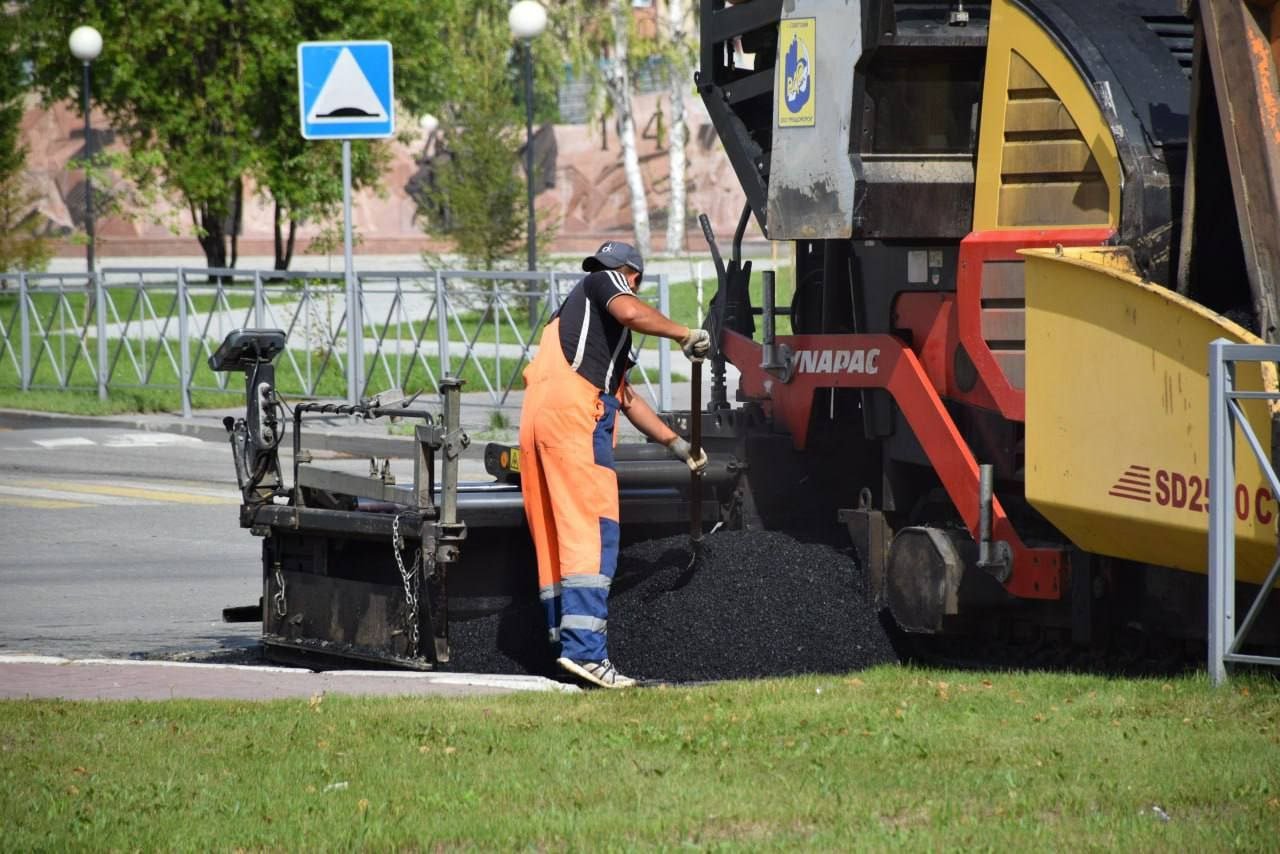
x: 696, y: 345
x: 684, y: 451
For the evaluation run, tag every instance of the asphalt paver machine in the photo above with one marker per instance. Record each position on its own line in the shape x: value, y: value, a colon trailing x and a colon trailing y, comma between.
x: 1015, y: 226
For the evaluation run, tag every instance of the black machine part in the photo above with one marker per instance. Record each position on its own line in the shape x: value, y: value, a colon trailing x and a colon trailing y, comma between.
x: 319, y: 591
x: 640, y: 465
x: 241, y: 349
x: 922, y: 578
x: 730, y: 305
x: 255, y: 437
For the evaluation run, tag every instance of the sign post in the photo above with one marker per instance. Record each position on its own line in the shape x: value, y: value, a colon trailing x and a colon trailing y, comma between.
x: 346, y: 92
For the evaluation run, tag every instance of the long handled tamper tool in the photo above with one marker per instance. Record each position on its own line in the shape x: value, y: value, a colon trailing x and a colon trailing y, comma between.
x: 695, y: 404
x: 695, y: 477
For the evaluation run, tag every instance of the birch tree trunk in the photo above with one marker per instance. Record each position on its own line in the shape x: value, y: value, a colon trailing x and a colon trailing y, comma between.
x: 678, y: 82
x: 618, y: 81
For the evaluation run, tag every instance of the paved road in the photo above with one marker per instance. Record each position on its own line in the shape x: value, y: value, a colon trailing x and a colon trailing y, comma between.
x: 119, y: 543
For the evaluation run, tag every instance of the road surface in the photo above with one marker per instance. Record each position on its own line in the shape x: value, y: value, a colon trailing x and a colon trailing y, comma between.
x: 120, y: 543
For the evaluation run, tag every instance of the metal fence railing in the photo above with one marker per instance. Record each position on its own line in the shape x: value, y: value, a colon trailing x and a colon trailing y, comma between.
x: 1225, y: 417
x: 142, y: 327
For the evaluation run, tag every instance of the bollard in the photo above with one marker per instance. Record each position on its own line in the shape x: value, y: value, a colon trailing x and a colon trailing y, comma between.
x: 24, y: 323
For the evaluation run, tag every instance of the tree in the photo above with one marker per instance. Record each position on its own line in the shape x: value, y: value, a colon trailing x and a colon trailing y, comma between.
x: 298, y: 175
x: 617, y: 78
x: 679, y: 76
x: 476, y: 183
x: 476, y: 196
x: 204, y: 93
x: 22, y: 247
x: 597, y: 39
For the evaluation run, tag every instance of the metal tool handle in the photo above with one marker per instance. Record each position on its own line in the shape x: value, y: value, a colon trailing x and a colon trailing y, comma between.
x: 695, y: 450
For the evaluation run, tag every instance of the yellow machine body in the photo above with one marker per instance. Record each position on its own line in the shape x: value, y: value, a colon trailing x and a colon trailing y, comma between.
x: 1117, y: 415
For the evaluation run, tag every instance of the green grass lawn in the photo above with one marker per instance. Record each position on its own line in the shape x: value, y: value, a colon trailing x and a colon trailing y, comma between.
x: 888, y: 758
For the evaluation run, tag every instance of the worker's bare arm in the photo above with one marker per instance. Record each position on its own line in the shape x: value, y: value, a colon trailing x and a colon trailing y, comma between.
x: 641, y: 414
x: 638, y: 316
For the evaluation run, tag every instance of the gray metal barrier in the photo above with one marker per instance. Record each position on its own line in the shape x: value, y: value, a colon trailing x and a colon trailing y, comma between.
x: 1225, y: 416
x: 155, y: 328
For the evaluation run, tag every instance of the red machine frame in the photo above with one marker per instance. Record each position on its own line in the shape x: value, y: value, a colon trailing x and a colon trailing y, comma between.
x: 916, y: 375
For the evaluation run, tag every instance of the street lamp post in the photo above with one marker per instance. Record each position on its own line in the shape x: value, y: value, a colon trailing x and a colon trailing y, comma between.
x: 86, y: 44
x: 527, y: 20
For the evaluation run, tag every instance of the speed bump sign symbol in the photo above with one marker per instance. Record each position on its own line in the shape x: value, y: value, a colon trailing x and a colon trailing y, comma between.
x: 346, y: 90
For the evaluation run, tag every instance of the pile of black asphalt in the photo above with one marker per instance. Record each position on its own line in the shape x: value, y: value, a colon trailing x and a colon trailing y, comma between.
x: 755, y: 604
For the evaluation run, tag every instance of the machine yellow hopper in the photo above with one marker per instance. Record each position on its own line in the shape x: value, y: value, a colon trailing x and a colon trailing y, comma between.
x: 1117, y: 405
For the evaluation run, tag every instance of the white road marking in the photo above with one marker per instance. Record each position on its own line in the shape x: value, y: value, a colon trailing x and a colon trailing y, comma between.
x: 26, y: 492
x: 151, y: 440
x: 68, y: 442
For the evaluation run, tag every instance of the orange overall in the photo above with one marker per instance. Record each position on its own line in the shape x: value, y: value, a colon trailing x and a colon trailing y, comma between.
x: 570, y: 497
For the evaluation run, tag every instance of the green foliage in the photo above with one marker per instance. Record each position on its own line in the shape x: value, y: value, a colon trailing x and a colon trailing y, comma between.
x: 205, y: 95
x: 477, y: 200
x: 584, y: 32
x: 22, y: 247
x: 476, y: 195
x: 298, y: 176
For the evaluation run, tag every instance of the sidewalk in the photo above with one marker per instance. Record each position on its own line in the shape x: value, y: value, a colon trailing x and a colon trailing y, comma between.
x: 45, y: 677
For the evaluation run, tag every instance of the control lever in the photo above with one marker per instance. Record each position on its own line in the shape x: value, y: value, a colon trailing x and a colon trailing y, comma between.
x: 730, y: 307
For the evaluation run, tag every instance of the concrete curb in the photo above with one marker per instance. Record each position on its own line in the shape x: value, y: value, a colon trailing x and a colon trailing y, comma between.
x: 43, y: 676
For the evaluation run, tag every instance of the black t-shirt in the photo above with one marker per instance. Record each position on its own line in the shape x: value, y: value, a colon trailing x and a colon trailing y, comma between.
x: 595, y: 344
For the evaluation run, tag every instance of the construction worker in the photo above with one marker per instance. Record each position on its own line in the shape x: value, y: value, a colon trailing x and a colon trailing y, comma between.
x: 574, y: 388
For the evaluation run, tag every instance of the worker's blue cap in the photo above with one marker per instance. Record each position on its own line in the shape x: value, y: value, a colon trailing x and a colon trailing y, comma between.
x: 613, y: 254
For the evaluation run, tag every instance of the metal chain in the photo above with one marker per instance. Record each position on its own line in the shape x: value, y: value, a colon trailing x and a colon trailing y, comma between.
x: 278, y: 598
x: 410, y: 598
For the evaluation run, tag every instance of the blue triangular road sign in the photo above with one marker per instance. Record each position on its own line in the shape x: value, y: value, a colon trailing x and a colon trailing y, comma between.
x: 346, y: 90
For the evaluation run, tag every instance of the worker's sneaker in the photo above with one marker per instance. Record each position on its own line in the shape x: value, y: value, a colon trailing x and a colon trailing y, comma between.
x: 600, y: 673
